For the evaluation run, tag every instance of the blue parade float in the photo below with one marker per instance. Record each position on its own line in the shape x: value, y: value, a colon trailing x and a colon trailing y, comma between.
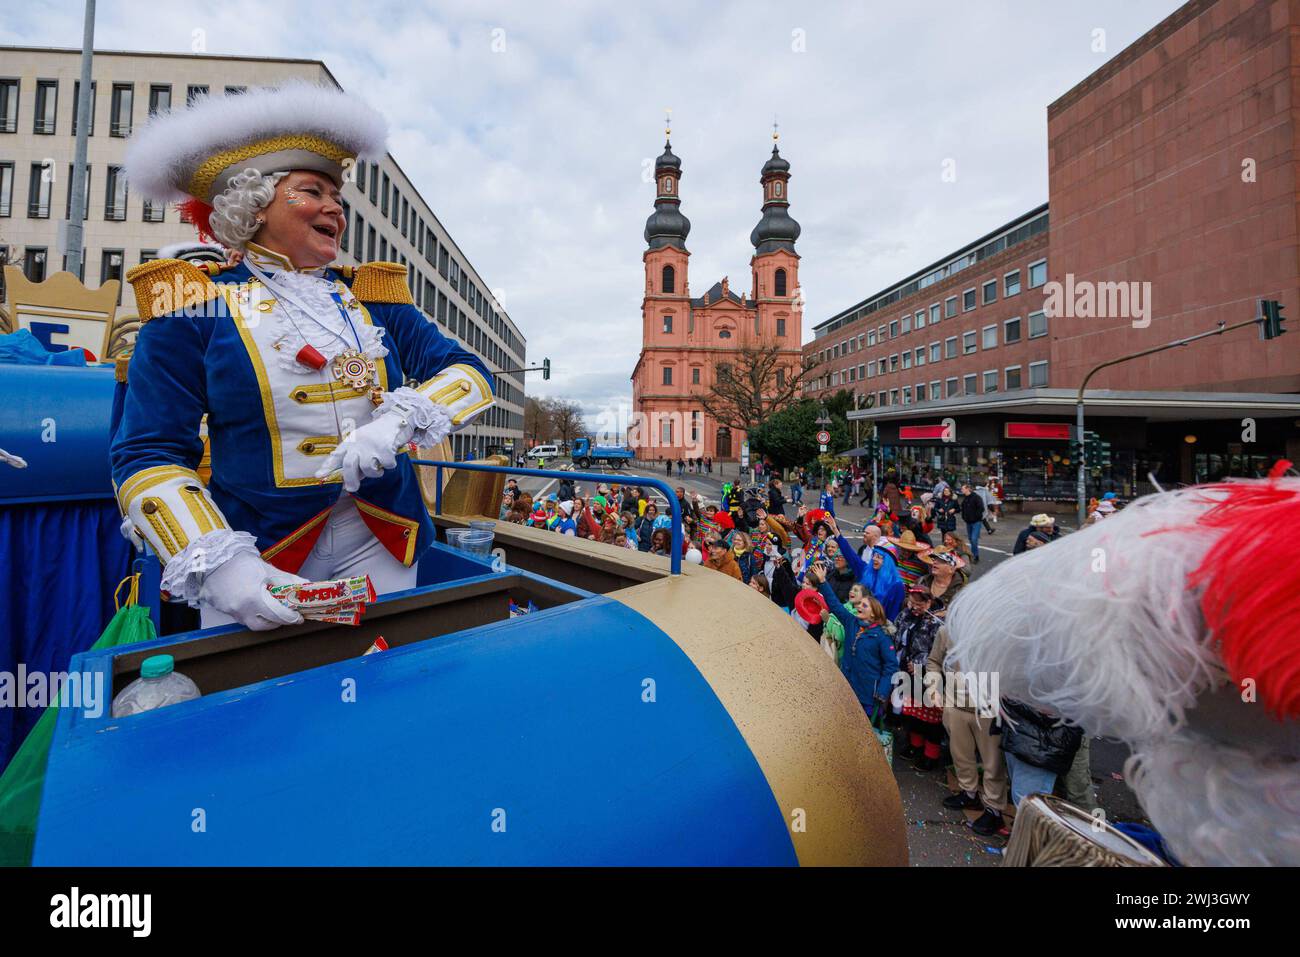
x: 637, y: 716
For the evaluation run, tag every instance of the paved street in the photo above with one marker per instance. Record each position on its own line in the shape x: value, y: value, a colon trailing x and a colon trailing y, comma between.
x: 936, y: 836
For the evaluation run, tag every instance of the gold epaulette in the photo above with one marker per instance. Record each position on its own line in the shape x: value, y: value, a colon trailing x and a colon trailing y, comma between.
x: 381, y: 282
x: 164, y: 286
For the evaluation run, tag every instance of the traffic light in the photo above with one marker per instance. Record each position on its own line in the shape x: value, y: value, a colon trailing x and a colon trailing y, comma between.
x: 1103, y: 453
x: 1092, y: 449
x: 546, y: 368
x: 1270, y: 319
x: 1076, y: 450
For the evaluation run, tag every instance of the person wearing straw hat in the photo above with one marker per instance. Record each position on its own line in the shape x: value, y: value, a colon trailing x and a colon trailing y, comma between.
x: 1042, y: 530
x: 301, y: 368
x: 910, y: 566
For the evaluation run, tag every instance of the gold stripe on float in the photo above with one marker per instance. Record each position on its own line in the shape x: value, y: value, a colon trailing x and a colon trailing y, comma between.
x: 795, y: 711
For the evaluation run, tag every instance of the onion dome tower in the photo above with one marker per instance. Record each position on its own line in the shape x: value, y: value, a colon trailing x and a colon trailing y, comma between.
x: 666, y: 225
x: 776, y: 230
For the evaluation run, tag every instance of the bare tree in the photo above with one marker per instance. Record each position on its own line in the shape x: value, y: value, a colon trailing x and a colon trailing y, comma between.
x: 538, y: 422
x: 566, y: 419
x: 756, y: 382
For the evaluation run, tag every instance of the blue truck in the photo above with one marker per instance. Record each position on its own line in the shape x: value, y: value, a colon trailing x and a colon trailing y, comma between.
x: 585, y: 454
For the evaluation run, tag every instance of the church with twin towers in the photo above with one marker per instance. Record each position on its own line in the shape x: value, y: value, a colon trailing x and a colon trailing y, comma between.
x: 687, y: 341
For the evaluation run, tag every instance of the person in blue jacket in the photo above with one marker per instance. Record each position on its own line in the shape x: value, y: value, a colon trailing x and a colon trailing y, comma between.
x: 879, y: 576
x: 869, y: 660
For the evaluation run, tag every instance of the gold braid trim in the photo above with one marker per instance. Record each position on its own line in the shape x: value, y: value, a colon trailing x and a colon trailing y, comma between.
x: 382, y: 282
x: 164, y: 286
x: 206, y: 174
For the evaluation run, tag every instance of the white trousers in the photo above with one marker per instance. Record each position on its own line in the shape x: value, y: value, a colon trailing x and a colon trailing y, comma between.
x: 346, y: 547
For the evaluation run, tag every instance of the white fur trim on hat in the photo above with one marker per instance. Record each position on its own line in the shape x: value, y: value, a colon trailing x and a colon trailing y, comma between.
x: 163, y: 156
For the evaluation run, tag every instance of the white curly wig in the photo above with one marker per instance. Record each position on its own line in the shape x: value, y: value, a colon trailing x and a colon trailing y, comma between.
x: 234, y: 211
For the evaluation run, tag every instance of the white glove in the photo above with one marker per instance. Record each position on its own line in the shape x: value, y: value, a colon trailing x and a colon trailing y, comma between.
x: 369, y: 450
x: 237, y: 587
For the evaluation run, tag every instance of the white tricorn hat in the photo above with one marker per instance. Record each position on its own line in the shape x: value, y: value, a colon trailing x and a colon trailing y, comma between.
x: 192, y: 153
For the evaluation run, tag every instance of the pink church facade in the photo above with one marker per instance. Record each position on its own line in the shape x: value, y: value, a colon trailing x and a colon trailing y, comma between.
x: 686, y: 340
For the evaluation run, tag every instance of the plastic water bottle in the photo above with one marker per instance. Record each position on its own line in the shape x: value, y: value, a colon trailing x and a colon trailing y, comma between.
x: 159, y: 685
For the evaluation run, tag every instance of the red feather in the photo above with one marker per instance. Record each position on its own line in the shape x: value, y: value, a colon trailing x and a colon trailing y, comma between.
x: 1250, y: 598
x: 197, y: 213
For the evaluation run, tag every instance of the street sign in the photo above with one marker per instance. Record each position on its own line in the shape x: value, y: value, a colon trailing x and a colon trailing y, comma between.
x: 744, y: 454
x: 822, y: 447
x: 823, y: 437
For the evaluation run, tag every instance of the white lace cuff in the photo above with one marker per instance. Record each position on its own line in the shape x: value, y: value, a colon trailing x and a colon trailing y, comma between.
x: 184, y: 573
x: 432, y: 422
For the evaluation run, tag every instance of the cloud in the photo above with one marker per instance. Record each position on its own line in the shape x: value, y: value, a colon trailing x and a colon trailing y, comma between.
x: 527, y: 127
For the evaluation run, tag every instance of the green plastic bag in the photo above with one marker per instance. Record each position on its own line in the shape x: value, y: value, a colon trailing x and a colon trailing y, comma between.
x: 23, y: 782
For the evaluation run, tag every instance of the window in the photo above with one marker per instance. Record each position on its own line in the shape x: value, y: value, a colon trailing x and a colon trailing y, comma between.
x: 383, y: 249
x: 123, y: 101
x: 383, y: 200
x: 907, y: 360
x: 990, y: 338
x: 862, y: 341
x: 1037, y: 273
x: 907, y: 395
x: 893, y: 397
x: 6, y: 189
x: 920, y: 355
x: 1011, y: 283
x: 934, y: 314
x: 76, y: 105
x: 991, y: 381
x: 968, y: 343
x: 34, y: 263
x: 194, y: 91
x: 85, y: 209
x: 724, y: 333
x: 905, y: 324
x: 871, y: 337
x: 1037, y: 375
x: 970, y: 384
x: 359, y: 230
x: 405, y: 217
x: 8, y: 106
x: 47, y: 101
x: 871, y: 370
x: 397, y: 205
x: 1011, y: 330
x: 160, y: 97
x: 780, y: 282
x: 862, y: 370
x: 920, y: 392
x: 893, y: 363
x: 968, y: 300
x: 1037, y: 324
x: 666, y: 430
x: 893, y: 329
x: 374, y: 184
x: 154, y: 212
x: 880, y: 334
x: 110, y: 267
x: 148, y: 255
x: 935, y: 352
x: 950, y: 307
x: 835, y: 352
x: 780, y: 327
x: 934, y: 389
x: 882, y: 367
x: 780, y: 378
x: 950, y: 347
x: 668, y: 323
x: 38, y: 192
x: 1013, y: 377
x: 669, y: 283
x: 920, y: 319
x: 115, y: 195
x: 951, y: 387
x: 695, y: 376
x: 372, y: 241
x: 882, y: 398
x: 236, y: 90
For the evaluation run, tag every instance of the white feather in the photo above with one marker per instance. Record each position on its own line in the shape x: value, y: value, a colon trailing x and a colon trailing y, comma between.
x: 162, y: 155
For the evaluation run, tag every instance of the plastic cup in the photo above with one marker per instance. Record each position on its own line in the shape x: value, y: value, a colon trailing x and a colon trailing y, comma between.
x: 477, y: 541
x: 455, y: 535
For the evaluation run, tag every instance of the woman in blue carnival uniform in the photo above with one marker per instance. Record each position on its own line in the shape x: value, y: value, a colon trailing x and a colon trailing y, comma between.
x: 314, y: 380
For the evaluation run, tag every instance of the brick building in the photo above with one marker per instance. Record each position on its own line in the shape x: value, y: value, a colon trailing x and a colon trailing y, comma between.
x: 1173, y: 207
x: 687, y: 343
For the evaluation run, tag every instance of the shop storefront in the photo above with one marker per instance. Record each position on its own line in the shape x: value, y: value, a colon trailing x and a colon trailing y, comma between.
x: 1024, y: 440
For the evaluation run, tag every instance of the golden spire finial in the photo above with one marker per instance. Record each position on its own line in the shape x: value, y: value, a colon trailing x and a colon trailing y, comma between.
x: 668, y: 121
x: 776, y: 135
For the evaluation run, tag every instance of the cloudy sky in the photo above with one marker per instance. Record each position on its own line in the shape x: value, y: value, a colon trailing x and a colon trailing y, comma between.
x: 538, y: 122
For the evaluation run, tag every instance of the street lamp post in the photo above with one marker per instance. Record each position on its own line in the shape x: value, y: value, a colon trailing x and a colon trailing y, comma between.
x: 1261, y: 320
x: 823, y: 420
